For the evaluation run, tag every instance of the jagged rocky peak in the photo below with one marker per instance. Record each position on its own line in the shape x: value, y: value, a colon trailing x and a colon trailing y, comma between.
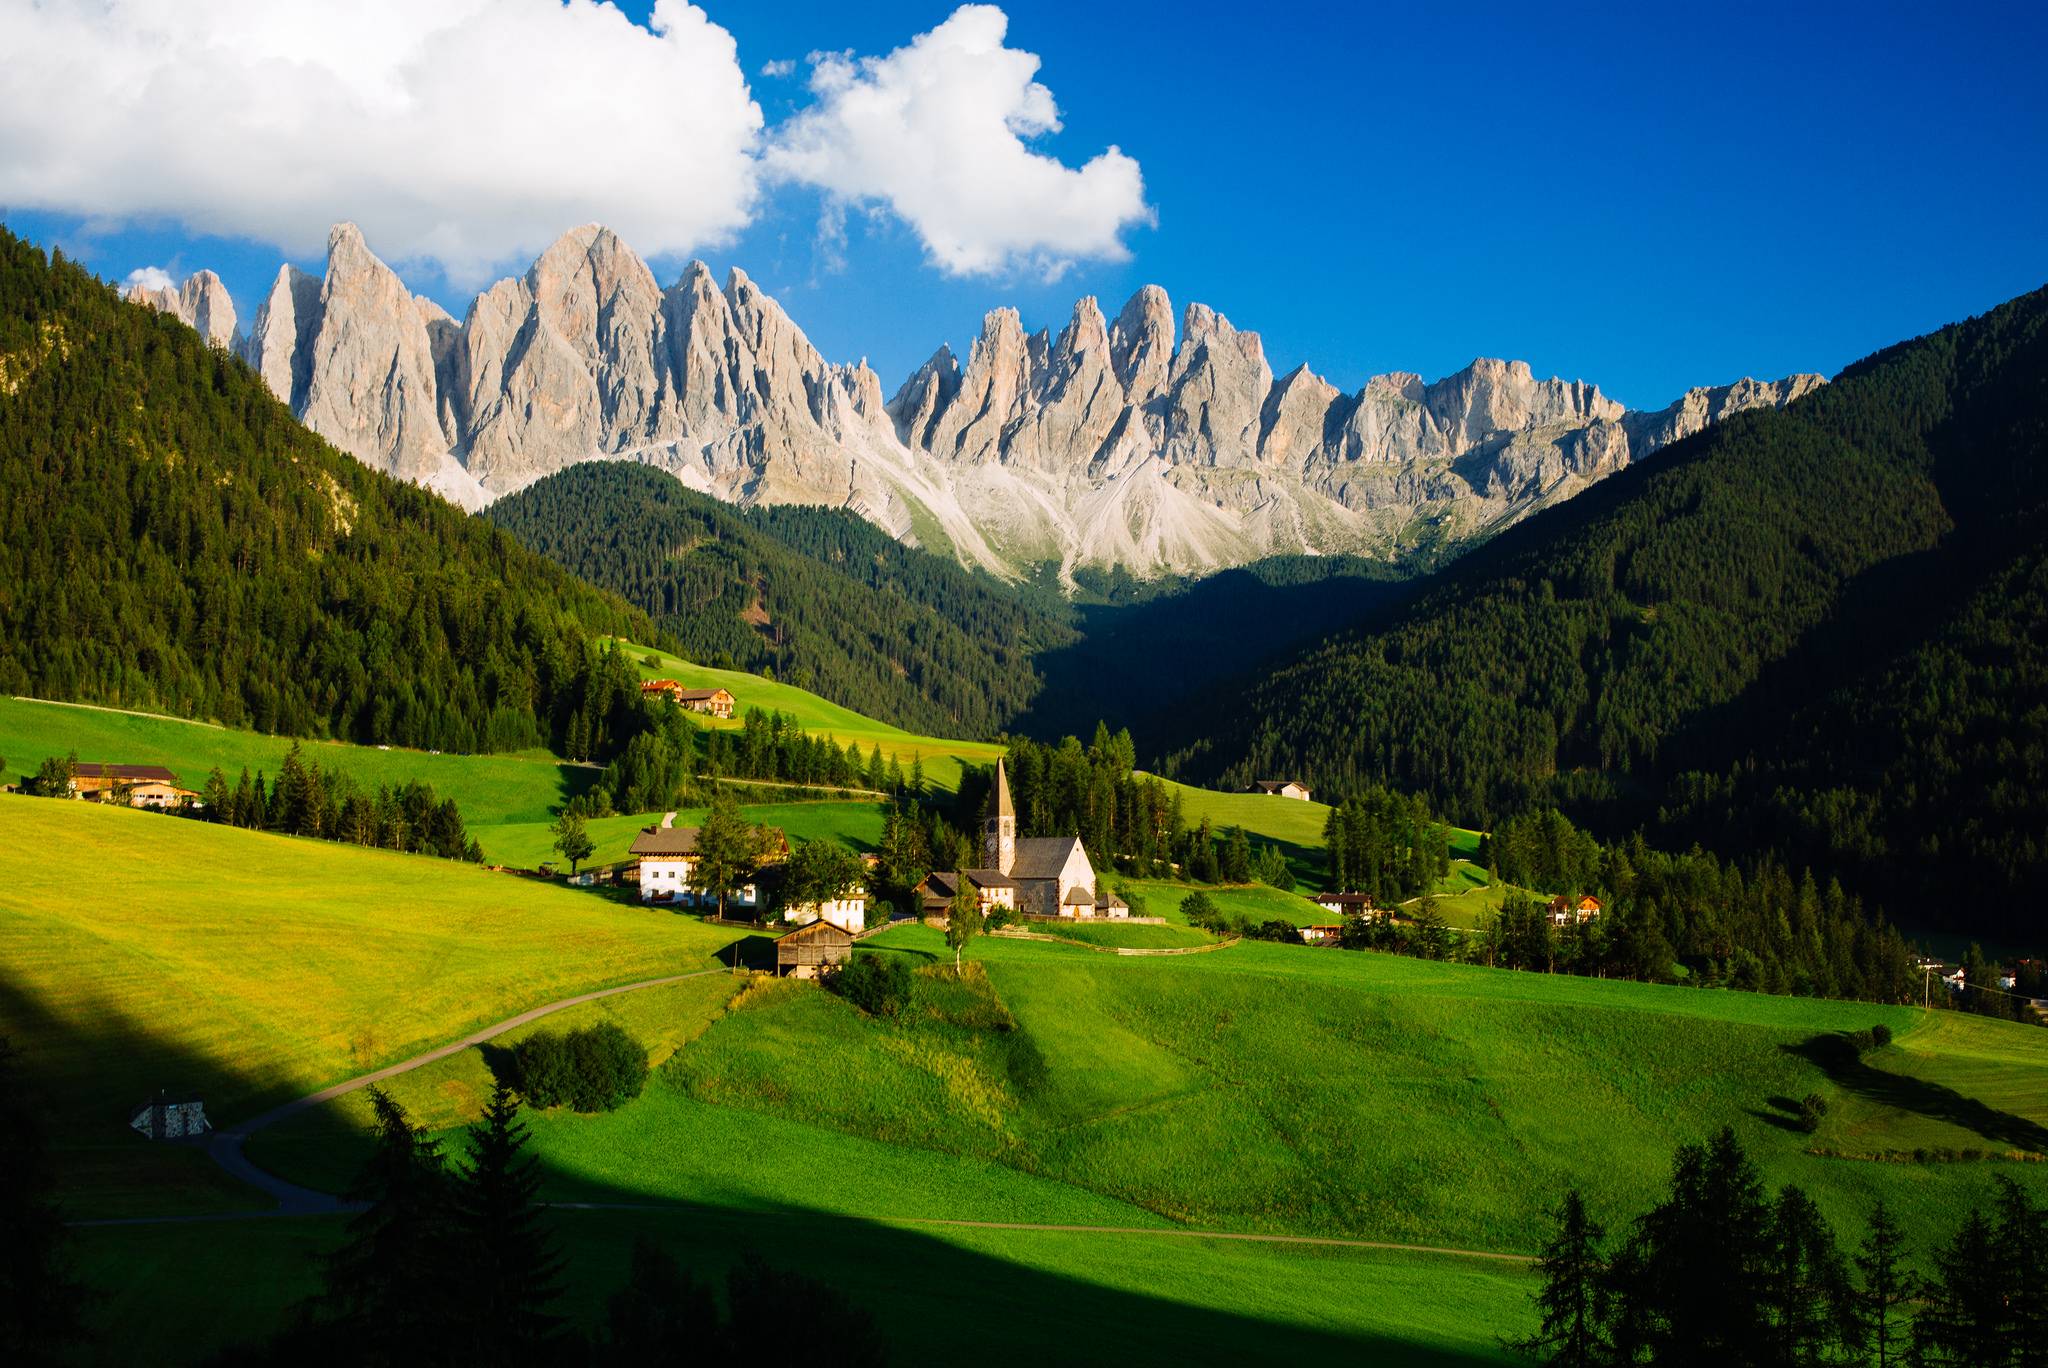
x: 201, y: 303
x: 1141, y: 344
x: 1128, y: 440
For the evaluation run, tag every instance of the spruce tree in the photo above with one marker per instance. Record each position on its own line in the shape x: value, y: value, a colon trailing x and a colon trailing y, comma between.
x: 392, y: 1289
x: 508, y: 1262
x: 1887, y: 1285
x: 2023, y: 1248
x: 1962, y: 1323
x: 1810, y: 1302
x: 1573, y: 1299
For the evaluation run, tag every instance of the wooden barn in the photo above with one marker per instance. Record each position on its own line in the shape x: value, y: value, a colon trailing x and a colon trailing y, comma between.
x: 810, y: 950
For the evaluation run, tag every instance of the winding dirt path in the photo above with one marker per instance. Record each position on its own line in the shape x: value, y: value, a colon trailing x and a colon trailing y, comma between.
x: 225, y: 1147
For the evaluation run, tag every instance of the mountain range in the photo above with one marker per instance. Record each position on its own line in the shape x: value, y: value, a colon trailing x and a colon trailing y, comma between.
x: 1127, y: 442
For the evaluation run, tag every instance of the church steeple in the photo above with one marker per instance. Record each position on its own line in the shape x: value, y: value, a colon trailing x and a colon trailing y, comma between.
x: 999, y: 831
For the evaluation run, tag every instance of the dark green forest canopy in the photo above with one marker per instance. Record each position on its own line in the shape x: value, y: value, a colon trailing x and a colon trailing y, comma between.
x: 172, y: 538
x: 1815, y: 631
x: 824, y: 598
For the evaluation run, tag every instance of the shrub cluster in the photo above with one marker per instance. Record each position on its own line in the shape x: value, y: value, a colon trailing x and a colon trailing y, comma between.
x: 591, y: 1069
x: 877, y: 984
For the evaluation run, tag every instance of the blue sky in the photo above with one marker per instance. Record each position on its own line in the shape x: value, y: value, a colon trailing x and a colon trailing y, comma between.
x: 1644, y: 200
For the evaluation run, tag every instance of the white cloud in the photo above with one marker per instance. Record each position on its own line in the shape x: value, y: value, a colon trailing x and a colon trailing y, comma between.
x: 941, y: 132
x: 465, y: 133
x: 148, y: 278
x: 778, y: 69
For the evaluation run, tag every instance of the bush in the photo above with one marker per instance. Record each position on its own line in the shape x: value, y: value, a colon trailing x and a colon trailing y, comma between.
x: 1285, y: 932
x: 592, y: 1069
x: 1880, y: 1035
x: 877, y: 984
x: 1200, y: 910
x: 1812, y: 1108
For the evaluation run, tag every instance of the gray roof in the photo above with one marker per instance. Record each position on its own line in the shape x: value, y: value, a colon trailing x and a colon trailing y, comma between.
x: 666, y: 841
x: 1042, y: 857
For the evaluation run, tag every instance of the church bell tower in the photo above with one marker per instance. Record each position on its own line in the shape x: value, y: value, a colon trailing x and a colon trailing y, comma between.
x: 999, y: 831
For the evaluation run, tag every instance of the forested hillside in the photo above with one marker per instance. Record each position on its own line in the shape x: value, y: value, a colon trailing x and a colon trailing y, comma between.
x: 171, y: 538
x: 1815, y: 631
x: 822, y: 597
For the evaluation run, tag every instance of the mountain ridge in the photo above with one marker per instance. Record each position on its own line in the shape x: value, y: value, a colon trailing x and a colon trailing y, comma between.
x: 1137, y: 442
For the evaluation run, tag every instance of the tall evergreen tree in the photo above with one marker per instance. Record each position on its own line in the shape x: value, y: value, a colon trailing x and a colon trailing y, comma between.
x: 1810, y: 1303
x: 1963, y: 1323
x: 2023, y: 1249
x: 393, y: 1290
x: 509, y: 1263
x: 1887, y: 1284
x: 1573, y: 1299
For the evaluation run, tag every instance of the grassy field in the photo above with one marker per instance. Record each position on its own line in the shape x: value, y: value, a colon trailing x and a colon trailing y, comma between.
x: 942, y: 758
x: 1257, y: 902
x: 139, y: 951
x: 490, y: 789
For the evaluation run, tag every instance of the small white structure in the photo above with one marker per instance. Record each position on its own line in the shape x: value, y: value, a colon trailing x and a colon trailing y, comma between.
x: 848, y: 912
x: 1283, y: 788
x: 168, y: 1118
x: 1322, y: 935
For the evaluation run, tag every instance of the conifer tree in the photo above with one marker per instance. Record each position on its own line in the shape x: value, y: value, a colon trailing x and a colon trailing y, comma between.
x: 509, y: 1261
x: 2023, y: 1248
x: 1810, y: 1301
x: 1887, y: 1284
x: 661, y: 1315
x: 1962, y: 1323
x: 392, y: 1289
x: 1573, y: 1300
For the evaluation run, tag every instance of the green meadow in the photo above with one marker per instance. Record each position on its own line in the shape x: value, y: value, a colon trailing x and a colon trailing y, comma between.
x: 142, y: 951
x: 942, y: 758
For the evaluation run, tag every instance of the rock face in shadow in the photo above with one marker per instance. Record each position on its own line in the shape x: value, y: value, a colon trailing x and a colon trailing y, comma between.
x: 1116, y: 442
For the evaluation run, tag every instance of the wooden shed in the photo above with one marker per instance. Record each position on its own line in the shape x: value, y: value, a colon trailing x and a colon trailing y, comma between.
x: 810, y: 950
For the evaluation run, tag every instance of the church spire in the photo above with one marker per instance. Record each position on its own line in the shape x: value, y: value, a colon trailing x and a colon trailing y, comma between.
x: 1003, y: 806
x: 999, y: 831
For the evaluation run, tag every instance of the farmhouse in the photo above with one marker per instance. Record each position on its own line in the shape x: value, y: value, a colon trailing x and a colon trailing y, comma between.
x: 168, y: 1118
x: 711, y: 702
x: 809, y: 950
x: 668, y: 863
x: 1322, y: 935
x: 1566, y: 911
x: 1037, y: 876
x: 150, y: 786
x: 1283, y: 788
x: 1347, y: 904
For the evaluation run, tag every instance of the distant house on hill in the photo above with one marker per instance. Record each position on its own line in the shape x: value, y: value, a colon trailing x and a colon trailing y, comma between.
x: 1566, y: 911
x: 1283, y: 788
x: 150, y: 786
x: 1347, y: 904
x: 168, y: 1118
x: 1037, y: 876
x: 711, y: 702
x: 1322, y: 935
x: 810, y: 950
x: 667, y: 862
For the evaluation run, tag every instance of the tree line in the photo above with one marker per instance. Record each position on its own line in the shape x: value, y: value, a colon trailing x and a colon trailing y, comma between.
x: 1722, y: 1271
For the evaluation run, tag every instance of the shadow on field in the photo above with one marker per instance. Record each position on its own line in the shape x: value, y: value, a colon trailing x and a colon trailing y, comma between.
x: 1835, y: 1056
x: 83, y: 1074
x: 934, y: 1300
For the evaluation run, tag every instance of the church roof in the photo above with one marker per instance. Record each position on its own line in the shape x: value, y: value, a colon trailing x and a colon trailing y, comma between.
x: 1001, y: 803
x: 1043, y: 857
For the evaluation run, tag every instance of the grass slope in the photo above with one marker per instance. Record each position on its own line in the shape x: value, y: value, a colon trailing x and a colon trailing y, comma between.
x: 138, y: 952
x: 942, y: 758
